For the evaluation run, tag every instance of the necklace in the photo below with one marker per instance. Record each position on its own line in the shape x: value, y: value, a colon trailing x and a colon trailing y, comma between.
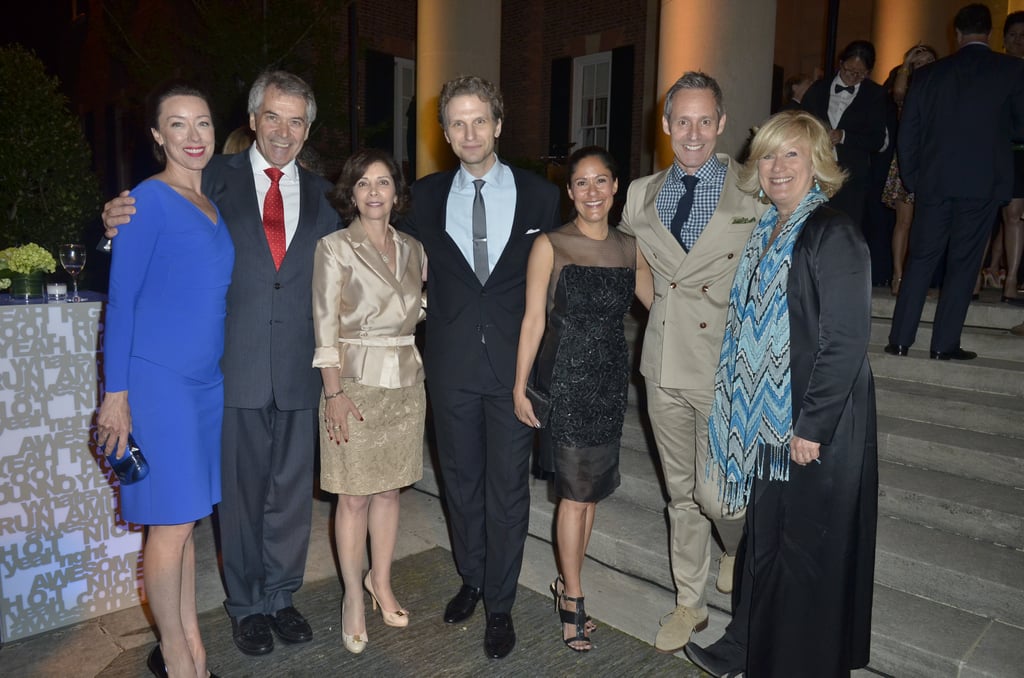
x: 383, y: 252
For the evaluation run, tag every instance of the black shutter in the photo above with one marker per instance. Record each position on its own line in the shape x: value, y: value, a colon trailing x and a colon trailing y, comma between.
x: 559, y: 123
x: 380, y: 100
x: 620, y: 123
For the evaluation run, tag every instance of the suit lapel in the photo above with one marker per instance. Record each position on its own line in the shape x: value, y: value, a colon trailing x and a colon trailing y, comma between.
x: 366, y: 252
x: 239, y: 188
x: 452, y: 252
x: 670, y: 249
x: 309, y: 206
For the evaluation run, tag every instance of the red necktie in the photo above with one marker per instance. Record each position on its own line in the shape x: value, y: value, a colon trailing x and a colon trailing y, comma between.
x: 273, y: 216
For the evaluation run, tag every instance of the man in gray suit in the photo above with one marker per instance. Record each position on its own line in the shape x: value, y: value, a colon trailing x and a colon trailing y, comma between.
x: 271, y: 390
x: 691, y: 221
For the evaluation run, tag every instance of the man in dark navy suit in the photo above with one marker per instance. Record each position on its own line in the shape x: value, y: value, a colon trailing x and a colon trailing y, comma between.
x: 476, y: 293
x: 956, y: 158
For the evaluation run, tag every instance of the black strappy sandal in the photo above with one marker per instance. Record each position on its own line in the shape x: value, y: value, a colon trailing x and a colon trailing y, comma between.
x: 579, y: 619
x: 591, y: 625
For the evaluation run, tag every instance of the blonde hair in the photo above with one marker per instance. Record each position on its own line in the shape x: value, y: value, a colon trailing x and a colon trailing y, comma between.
x: 783, y: 128
x: 239, y: 140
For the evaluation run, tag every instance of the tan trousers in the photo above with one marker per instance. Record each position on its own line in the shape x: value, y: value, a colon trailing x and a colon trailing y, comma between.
x: 680, y: 422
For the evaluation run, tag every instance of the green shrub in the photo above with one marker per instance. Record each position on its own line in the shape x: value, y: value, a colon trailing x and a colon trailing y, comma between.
x: 48, y: 191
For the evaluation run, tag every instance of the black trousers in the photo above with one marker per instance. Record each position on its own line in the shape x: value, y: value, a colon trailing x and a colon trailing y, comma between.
x: 265, y: 513
x: 955, y: 231
x: 484, y: 453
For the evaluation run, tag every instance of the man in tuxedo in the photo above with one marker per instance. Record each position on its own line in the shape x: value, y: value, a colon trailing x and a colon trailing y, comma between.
x: 691, y: 222
x: 959, y: 179
x: 477, y: 224
x: 271, y: 390
x: 853, y: 109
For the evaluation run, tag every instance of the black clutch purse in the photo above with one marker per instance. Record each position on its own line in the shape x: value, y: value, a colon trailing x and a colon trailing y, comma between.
x: 541, y: 404
x: 132, y: 467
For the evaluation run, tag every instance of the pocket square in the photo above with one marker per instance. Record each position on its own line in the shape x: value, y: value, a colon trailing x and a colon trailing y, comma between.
x: 532, y: 231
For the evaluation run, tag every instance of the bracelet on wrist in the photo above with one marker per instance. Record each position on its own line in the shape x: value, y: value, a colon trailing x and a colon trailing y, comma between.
x: 328, y: 396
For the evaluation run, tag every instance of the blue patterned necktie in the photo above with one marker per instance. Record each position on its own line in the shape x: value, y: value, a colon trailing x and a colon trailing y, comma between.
x: 683, y: 209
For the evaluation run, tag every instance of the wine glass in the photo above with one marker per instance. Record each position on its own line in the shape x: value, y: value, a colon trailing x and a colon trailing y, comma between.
x: 72, y: 258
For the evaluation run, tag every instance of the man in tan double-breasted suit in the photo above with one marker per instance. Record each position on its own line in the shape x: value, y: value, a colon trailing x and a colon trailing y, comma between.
x: 691, y: 222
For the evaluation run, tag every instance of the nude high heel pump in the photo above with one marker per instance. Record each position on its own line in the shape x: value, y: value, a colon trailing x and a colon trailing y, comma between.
x: 398, y: 618
x: 355, y: 643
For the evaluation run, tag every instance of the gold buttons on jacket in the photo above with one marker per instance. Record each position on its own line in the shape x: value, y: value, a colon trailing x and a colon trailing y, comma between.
x: 704, y: 289
x: 729, y: 256
x: 672, y: 285
x: 703, y: 325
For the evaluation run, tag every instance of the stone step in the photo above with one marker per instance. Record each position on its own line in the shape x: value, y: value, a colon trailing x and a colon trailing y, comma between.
x: 913, y: 637
x: 973, y: 508
x: 986, y: 503
x: 987, y: 312
x: 952, y: 569
x: 958, y: 408
x: 969, y: 574
x: 967, y: 454
x: 983, y: 374
x: 987, y: 343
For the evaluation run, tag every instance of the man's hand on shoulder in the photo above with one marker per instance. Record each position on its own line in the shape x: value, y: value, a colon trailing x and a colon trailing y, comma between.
x: 117, y: 212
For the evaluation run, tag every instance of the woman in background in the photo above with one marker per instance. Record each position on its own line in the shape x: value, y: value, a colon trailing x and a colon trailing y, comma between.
x: 580, y: 282
x: 367, y: 299
x: 163, y: 341
x: 894, y: 195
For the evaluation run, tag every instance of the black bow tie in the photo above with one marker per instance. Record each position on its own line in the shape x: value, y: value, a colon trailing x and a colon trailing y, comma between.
x: 848, y: 88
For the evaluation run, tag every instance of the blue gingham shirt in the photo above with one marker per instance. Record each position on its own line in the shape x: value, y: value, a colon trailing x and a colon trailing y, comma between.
x: 705, y: 199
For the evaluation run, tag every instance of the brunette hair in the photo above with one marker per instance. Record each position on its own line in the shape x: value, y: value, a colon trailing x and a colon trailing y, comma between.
x: 342, y: 197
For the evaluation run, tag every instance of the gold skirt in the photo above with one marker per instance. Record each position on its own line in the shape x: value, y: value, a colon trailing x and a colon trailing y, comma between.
x: 385, y: 450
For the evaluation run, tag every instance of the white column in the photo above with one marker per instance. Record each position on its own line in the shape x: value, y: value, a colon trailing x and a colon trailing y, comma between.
x: 453, y: 37
x: 731, y: 40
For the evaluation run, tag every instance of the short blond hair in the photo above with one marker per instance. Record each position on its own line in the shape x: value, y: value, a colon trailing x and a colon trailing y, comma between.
x: 783, y: 128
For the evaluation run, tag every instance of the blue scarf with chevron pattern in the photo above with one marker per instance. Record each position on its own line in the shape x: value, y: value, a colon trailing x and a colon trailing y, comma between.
x: 752, y: 415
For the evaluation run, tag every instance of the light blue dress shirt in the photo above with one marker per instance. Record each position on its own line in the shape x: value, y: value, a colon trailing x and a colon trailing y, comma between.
x: 499, y: 193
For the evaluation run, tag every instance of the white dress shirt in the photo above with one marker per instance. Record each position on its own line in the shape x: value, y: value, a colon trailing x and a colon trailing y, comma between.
x: 289, y: 186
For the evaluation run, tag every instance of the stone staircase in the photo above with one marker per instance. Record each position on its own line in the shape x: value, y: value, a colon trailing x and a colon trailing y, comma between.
x: 949, y: 580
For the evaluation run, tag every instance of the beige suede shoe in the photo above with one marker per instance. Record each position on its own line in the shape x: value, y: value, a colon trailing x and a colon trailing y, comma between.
x: 677, y: 627
x: 726, y: 568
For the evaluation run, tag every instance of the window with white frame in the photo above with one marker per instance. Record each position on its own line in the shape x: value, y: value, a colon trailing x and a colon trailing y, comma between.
x: 405, y: 87
x: 591, y: 99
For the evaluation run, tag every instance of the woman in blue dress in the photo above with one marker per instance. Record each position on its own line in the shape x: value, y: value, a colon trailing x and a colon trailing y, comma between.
x: 163, y: 339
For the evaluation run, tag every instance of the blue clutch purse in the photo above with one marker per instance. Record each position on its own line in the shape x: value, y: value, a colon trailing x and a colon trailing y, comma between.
x: 132, y: 467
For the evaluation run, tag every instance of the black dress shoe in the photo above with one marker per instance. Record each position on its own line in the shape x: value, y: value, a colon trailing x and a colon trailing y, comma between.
x: 1012, y: 301
x: 721, y: 659
x: 897, y: 349
x: 155, y: 662
x: 958, y: 354
x: 462, y: 605
x: 500, y: 636
x: 290, y: 626
x: 252, y: 634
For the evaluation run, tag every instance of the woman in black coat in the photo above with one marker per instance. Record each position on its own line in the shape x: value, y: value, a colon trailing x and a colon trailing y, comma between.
x: 793, y: 424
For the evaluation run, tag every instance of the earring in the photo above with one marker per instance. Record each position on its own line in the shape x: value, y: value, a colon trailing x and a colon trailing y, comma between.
x: 817, y: 186
x: 760, y: 194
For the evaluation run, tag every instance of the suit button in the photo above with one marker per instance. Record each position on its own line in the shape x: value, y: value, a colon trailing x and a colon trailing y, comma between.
x: 704, y: 289
x: 703, y: 325
x: 277, y: 286
x: 729, y: 256
x: 672, y: 285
